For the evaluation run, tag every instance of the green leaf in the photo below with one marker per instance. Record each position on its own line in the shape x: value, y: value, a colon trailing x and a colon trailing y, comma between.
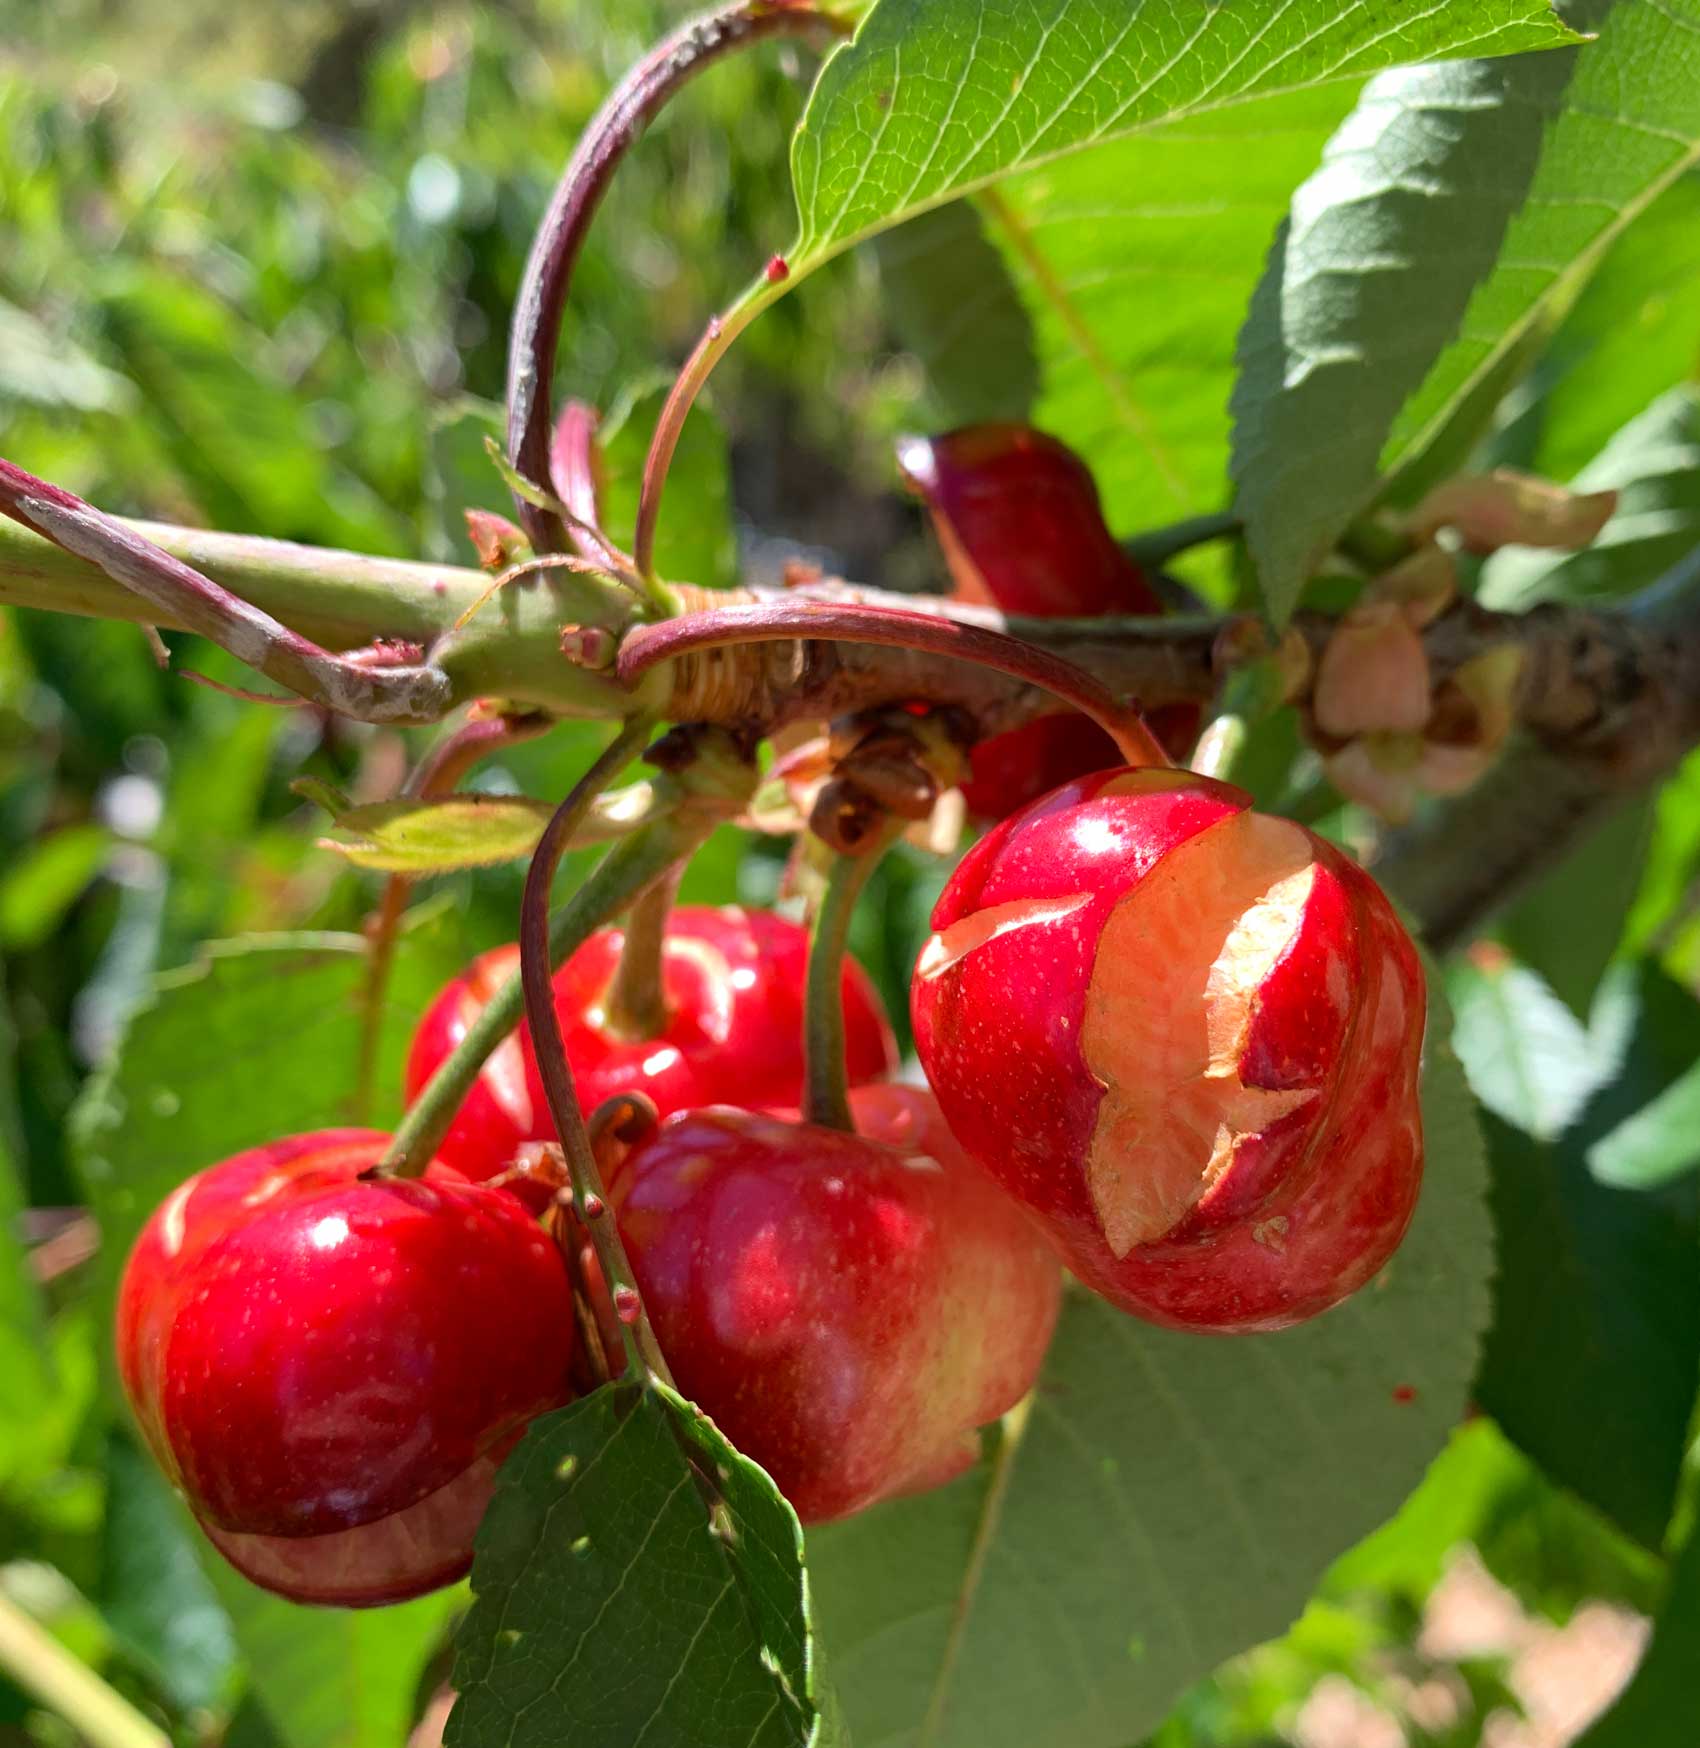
x: 1628, y: 129
x: 1634, y: 331
x: 1595, y: 1349
x: 1170, y: 1500
x: 953, y: 304
x: 45, y: 880
x: 50, y: 371
x: 1568, y: 927
x: 26, y: 1373
x: 635, y: 1580
x: 1528, y: 1058
x: 1659, y: 1143
x: 1135, y: 261
x: 333, y: 1678
x: 1660, y: 1708
x: 934, y: 98
x: 233, y: 423
x: 1672, y: 856
x: 463, y: 831
x: 1654, y: 464
x: 1366, y: 283
x: 1637, y: 1135
x: 153, y: 1594
x: 458, y: 475
x: 438, y: 837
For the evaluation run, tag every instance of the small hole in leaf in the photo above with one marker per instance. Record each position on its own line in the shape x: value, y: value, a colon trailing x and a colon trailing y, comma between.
x: 565, y: 1469
x: 509, y: 1636
x: 720, y: 1523
x: 582, y: 1546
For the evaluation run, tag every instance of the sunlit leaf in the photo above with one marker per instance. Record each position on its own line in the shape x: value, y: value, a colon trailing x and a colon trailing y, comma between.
x: 1168, y: 1500
x: 1629, y: 129
x: 937, y: 97
x: 636, y: 1580
x: 1367, y: 282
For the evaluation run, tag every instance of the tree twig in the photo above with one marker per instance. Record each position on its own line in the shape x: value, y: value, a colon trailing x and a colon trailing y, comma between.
x: 400, y: 691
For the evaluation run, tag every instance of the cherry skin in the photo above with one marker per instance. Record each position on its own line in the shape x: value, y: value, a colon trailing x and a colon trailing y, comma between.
x: 732, y: 980
x: 1018, y: 516
x: 1187, y: 1036
x: 331, y: 1368
x: 846, y: 1308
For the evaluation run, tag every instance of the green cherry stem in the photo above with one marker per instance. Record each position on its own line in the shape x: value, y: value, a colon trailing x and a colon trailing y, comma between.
x: 43, y: 1668
x: 1220, y: 747
x: 634, y: 864
x: 636, y: 1004
x: 590, y: 1199
x: 826, y: 1096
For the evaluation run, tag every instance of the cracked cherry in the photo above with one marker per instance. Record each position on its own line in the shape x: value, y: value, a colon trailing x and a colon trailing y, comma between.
x: 331, y: 1366
x: 1187, y: 1036
x: 732, y: 982
x: 848, y: 1309
x: 1017, y: 514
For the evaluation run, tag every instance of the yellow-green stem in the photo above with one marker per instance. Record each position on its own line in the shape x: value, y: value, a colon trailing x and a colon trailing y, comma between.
x: 45, y: 1670
x: 826, y: 1097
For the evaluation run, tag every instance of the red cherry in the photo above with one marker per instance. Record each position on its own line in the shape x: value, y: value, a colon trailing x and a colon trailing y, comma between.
x: 1187, y: 1035
x: 1018, y: 516
x: 847, y: 1308
x: 733, y: 983
x: 331, y: 1367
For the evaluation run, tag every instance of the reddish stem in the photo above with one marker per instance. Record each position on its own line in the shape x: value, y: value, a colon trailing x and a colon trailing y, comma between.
x: 395, y: 693
x: 551, y: 1048
x: 900, y: 628
x: 629, y: 108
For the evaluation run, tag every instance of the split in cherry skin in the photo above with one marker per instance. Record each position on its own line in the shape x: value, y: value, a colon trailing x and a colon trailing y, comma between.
x: 732, y: 986
x: 331, y: 1366
x: 1187, y: 1037
x: 847, y: 1308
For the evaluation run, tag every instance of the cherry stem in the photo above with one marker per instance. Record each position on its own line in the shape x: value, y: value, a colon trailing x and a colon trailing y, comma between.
x: 536, y: 965
x: 437, y: 774
x: 394, y: 692
x: 1220, y: 747
x: 627, y: 111
x: 42, y: 1667
x: 1155, y: 546
x: 826, y: 1075
x: 849, y: 622
x: 636, y: 1004
x: 627, y: 869
x: 715, y: 343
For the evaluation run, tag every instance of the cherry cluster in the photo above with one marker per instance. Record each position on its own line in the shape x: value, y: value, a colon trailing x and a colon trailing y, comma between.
x: 1170, y: 1044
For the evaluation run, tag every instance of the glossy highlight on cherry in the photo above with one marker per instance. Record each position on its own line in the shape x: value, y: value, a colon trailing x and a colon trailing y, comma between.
x: 824, y: 1296
x: 330, y: 1365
